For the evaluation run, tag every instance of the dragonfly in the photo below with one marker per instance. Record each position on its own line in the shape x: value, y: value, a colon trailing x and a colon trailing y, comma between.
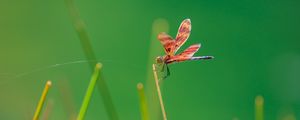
x: 171, y: 46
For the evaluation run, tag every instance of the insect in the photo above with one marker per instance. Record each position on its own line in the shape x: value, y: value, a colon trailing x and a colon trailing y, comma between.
x: 171, y: 46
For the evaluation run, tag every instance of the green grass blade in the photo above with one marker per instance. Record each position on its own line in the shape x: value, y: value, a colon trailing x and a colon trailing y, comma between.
x: 259, y: 108
x: 107, y: 99
x: 89, y: 92
x: 143, y: 102
x: 89, y: 53
x: 81, y: 32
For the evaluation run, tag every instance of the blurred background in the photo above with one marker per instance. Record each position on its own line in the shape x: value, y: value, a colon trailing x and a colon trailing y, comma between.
x: 256, y: 44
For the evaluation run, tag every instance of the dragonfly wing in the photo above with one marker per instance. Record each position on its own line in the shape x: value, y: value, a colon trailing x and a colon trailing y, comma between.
x: 182, y: 34
x: 190, y: 51
x: 167, y: 42
x: 185, y: 55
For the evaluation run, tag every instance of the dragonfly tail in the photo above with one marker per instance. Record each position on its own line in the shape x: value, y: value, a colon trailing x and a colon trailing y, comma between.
x: 202, y: 58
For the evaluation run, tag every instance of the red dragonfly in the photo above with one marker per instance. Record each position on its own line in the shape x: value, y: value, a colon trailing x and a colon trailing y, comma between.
x: 172, y: 45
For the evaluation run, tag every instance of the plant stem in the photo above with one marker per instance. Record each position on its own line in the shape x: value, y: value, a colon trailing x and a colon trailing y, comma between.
x: 89, y: 54
x: 82, y: 33
x: 155, y: 49
x: 42, y: 100
x: 143, y: 102
x: 89, y: 92
x: 159, y: 93
x: 259, y: 107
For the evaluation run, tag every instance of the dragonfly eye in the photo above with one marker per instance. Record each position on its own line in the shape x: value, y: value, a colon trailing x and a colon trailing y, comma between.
x: 159, y: 60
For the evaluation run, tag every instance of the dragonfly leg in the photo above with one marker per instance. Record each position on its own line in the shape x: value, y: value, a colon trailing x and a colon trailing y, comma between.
x: 163, y: 68
x: 168, y: 71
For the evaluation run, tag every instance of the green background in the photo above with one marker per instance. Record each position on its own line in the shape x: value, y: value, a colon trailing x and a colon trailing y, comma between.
x: 256, y: 44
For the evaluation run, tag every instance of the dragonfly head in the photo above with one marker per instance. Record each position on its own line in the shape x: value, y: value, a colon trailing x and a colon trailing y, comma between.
x: 159, y: 59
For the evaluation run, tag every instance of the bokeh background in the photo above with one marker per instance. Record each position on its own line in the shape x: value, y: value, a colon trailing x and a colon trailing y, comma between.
x: 256, y: 44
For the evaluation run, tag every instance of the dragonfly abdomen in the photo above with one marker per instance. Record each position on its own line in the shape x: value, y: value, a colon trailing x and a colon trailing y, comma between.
x: 202, y: 58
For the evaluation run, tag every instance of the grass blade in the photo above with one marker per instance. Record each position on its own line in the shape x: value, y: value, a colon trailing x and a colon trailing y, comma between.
x: 259, y: 108
x: 81, y: 32
x: 159, y: 25
x: 89, y: 54
x: 143, y: 102
x: 89, y: 92
x: 42, y: 100
x: 107, y: 100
